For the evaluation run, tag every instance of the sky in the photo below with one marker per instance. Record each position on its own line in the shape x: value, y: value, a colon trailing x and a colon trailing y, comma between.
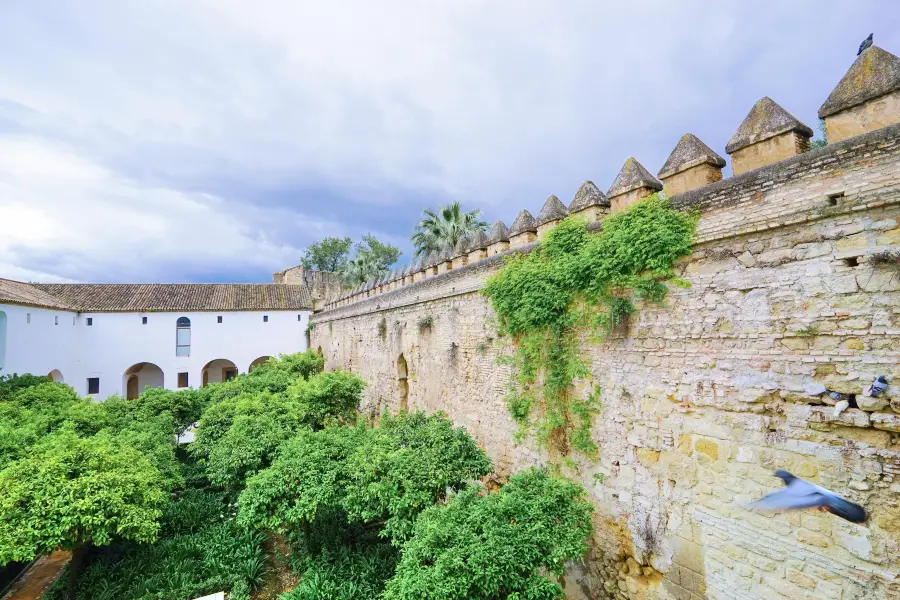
x: 212, y: 140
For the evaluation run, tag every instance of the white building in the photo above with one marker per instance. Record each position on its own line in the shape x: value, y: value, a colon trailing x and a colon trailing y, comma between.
x: 105, y: 339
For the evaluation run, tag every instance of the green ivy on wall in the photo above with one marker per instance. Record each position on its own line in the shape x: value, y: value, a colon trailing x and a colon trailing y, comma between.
x: 578, y: 282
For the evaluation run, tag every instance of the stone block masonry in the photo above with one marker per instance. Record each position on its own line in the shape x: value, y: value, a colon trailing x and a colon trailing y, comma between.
x: 704, y: 397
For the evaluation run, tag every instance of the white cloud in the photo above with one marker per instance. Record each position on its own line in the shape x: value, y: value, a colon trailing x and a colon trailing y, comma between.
x: 76, y: 214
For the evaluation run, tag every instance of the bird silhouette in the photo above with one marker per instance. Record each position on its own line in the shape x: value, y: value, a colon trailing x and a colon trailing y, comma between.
x: 866, y: 43
x: 798, y: 494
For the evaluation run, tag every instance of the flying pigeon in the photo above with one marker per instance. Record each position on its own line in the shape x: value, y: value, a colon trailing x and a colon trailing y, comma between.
x: 802, y: 494
x: 865, y: 44
x: 878, y: 386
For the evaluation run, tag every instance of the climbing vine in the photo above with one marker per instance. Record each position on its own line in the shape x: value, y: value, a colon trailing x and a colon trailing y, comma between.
x: 578, y: 282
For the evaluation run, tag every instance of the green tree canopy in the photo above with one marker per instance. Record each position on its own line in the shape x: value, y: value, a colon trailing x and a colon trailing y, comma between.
x: 328, y: 255
x: 491, y: 546
x: 240, y: 435
x: 70, y: 491
x: 440, y: 229
x: 372, y: 258
x: 381, y: 477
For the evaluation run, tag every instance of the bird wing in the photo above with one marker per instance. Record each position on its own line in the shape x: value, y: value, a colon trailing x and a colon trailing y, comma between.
x: 789, y: 498
x: 845, y: 509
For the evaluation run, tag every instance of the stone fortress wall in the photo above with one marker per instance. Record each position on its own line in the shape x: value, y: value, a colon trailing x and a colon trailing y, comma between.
x: 794, y: 280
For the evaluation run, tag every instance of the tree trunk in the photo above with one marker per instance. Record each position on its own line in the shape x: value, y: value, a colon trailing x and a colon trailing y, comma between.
x: 77, y: 563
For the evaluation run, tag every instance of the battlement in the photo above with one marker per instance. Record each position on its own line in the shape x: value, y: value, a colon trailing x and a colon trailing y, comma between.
x: 769, y: 149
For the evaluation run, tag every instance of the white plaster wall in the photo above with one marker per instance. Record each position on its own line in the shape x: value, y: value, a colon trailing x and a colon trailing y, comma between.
x: 40, y: 346
x: 117, y: 341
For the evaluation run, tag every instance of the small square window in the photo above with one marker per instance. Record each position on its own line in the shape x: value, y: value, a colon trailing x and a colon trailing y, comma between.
x: 93, y: 385
x: 265, y: 318
x: 90, y: 322
x: 143, y: 320
x: 182, y: 380
x: 219, y: 319
x: 28, y: 318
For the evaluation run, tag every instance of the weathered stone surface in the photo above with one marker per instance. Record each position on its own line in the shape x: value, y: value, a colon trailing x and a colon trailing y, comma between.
x: 703, y: 397
x: 588, y: 195
x: 689, y: 152
x: 499, y: 233
x: 870, y: 404
x: 553, y: 210
x: 873, y: 74
x: 766, y: 120
x: 523, y: 223
x: 632, y: 176
x: 461, y: 247
x: 477, y: 241
x: 886, y: 421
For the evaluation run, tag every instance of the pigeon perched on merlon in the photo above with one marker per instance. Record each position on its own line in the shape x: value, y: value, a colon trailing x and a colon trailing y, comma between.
x: 877, y: 388
x: 798, y: 494
x: 865, y: 45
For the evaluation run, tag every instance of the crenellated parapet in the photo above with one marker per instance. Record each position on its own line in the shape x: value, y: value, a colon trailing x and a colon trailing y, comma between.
x: 866, y: 99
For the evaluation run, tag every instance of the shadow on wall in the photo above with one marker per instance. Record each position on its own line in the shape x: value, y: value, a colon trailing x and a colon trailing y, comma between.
x: 403, y: 383
x: 141, y: 376
x: 218, y: 370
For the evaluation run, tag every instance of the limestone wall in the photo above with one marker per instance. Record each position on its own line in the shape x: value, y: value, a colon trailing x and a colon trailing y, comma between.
x: 704, y: 397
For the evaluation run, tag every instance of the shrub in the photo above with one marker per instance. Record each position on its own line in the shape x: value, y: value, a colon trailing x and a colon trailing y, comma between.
x: 345, y: 574
x: 200, y: 551
x: 576, y: 280
x: 491, y: 546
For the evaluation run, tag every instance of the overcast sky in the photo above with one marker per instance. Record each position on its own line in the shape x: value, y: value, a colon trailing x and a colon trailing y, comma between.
x: 213, y: 140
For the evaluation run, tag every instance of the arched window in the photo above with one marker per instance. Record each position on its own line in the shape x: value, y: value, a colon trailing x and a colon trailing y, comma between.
x: 183, y: 337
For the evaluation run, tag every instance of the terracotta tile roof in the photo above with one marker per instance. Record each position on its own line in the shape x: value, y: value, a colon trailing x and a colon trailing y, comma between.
x: 18, y: 292
x: 140, y: 297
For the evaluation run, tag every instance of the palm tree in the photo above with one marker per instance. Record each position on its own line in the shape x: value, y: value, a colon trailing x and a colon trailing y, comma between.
x: 440, y: 230
x: 363, y: 267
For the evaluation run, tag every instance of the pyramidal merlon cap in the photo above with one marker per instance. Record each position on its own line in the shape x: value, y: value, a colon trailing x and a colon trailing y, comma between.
x: 873, y: 74
x: 461, y: 244
x: 499, y: 233
x: 689, y: 152
x: 524, y: 223
x: 553, y: 210
x: 632, y: 176
x: 588, y: 195
x: 477, y: 241
x: 765, y: 120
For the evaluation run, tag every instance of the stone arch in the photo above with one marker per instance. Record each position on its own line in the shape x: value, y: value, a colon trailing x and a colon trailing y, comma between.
x: 218, y: 370
x: 259, y: 361
x: 139, y: 377
x: 403, y: 382
x: 56, y: 376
